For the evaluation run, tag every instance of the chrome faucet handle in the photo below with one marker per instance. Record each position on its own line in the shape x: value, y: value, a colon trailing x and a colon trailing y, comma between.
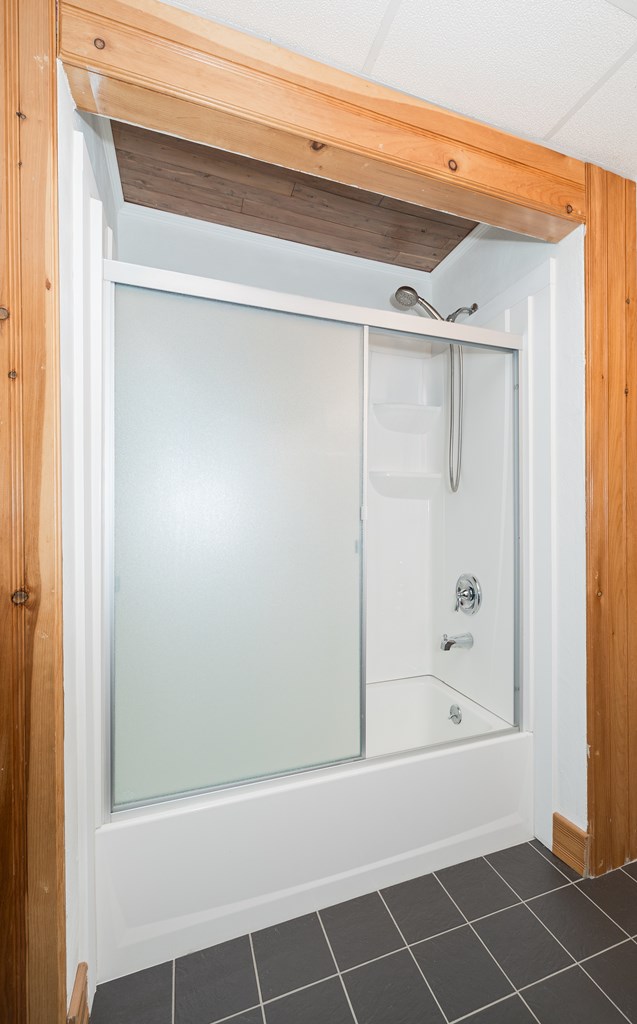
x: 464, y: 595
x: 468, y: 594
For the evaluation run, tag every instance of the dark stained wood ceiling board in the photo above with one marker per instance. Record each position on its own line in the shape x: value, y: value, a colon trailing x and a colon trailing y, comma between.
x: 167, y: 173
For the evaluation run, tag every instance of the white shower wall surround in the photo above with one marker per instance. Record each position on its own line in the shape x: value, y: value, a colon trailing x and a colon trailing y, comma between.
x: 423, y: 537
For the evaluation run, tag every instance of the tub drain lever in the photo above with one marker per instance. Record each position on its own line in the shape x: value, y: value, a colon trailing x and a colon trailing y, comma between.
x: 455, y: 714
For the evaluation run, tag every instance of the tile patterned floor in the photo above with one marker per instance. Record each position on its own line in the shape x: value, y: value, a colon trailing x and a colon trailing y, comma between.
x: 513, y: 938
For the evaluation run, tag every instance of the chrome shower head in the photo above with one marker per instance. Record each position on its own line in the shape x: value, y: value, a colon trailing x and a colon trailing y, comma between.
x: 406, y: 296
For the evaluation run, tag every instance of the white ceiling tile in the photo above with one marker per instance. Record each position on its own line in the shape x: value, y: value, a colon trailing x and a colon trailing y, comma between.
x: 604, y: 129
x: 330, y: 31
x: 521, y: 66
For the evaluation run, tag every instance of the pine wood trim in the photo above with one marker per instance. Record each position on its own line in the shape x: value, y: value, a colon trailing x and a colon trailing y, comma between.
x: 611, y: 394
x: 32, y: 925
x: 78, y: 1007
x: 570, y: 844
x: 630, y: 220
x: 167, y: 69
x: 12, y: 723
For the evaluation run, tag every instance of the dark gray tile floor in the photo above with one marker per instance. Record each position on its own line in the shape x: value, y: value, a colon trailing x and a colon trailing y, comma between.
x: 513, y: 938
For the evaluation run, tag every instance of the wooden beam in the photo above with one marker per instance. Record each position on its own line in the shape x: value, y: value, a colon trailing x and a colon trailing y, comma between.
x: 31, y: 721
x: 167, y: 69
x: 611, y: 418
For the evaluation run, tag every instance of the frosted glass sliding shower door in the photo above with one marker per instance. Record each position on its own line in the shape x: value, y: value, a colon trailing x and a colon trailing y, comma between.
x: 237, y: 543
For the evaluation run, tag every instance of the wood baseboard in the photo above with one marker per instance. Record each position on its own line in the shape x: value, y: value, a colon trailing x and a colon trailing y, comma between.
x: 78, y: 1007
x: 570, y: 844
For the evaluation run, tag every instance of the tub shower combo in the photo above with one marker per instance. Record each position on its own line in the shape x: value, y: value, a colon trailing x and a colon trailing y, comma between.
x: 314, y: 602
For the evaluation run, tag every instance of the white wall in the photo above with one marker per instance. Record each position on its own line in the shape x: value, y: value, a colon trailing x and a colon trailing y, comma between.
x: 83, y: 236
x: 171, y: 242
x: 569, y: 539
x: 538, y: 289
x: 74, y: 823
x: 101, y: 154
x: 483, y: 268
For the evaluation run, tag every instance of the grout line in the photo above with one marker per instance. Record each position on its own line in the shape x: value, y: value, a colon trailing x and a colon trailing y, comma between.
x: 436, y: 935
x: 612, y: 919
x: 533, y: 1014
x: 547, y: 977
x: 546, y: 891
x: 496, y: 1002
x: 623, y: 868
x: 549, y: 861
x: 329, y: 944
x: 549, y: 932
x: 301, y: 988
x: 606, y: 994
x: 479, y: 938
x: 413, y: 956
x: 256, y: 975
x: 174, y: 1006
x: 607, y: 949
x: 239, y: 1013
x: 383, y: 956
x: 472, y: 920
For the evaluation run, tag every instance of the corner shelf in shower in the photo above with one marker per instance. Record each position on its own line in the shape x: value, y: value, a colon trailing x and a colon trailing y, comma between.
x: 405, y: 485
x: 406, y: 418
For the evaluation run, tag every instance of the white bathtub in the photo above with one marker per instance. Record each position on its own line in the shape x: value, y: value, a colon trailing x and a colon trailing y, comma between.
x: 183, y: 876
x: 403, y: 714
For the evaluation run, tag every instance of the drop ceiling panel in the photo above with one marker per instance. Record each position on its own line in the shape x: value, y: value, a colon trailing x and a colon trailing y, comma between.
x: 604, y: 129
x: 167, y: 173
x: 330, y: 31
x: 521, y: 66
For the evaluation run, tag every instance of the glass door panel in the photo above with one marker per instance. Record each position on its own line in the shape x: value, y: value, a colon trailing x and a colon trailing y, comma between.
x: 237, y: 543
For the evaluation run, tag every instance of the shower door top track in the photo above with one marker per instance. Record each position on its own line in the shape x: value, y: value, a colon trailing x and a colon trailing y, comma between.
x: 117, y: 272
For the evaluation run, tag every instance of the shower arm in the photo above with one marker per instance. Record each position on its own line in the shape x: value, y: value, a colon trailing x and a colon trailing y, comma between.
x: 468, y: 310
